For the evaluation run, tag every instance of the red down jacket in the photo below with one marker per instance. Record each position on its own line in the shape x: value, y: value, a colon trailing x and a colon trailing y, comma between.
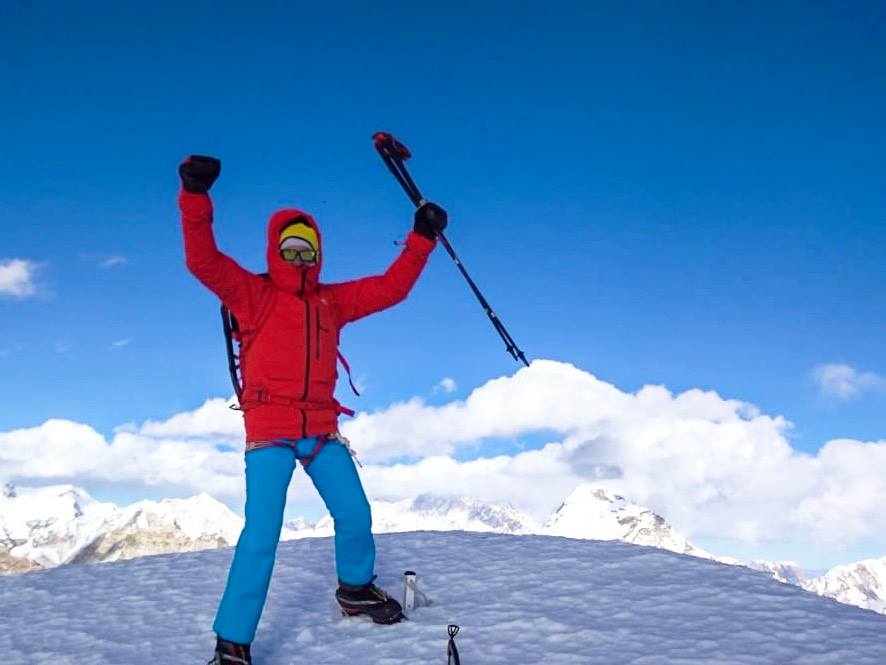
x: 290, y: 322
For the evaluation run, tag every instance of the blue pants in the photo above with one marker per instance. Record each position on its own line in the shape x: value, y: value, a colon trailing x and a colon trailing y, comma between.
x: 268, y: 472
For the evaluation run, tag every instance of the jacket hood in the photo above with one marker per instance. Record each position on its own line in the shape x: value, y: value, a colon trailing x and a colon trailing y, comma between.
x: 290, y: 278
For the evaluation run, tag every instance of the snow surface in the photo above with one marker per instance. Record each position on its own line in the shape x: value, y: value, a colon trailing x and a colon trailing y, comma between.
x: 519, y: 599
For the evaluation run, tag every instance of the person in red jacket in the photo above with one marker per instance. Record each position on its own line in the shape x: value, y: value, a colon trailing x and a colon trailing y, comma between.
x: 289, y: 325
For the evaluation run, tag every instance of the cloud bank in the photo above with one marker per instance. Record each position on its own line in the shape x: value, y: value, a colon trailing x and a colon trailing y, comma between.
x: 717, y: 468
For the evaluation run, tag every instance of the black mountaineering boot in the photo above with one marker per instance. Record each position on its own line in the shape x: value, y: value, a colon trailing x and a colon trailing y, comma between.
x: 368, y: 599
x: 230, y: 653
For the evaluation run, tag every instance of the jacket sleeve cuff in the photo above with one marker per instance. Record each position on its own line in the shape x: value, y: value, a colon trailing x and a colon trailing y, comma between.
x: 195, y: 207
x: 420, y: 243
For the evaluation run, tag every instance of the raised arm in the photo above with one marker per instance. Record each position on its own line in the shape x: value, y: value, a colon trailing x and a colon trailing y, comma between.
x: 236, y: 287
x: 362, y: 297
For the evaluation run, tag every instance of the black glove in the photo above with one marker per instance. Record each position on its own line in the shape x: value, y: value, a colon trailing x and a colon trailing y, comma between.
x: 198, y: 173
x: 430, y: 219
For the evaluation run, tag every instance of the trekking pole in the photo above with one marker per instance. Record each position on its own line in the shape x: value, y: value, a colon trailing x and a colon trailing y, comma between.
x: 452, y: 650
x: 394, y: 153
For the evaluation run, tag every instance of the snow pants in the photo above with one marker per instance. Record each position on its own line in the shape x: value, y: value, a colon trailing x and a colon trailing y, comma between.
x: 268, y: 472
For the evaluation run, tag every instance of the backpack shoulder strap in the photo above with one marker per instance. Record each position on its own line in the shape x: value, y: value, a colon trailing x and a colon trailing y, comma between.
x: 243, y: 337
x: 231, y: 329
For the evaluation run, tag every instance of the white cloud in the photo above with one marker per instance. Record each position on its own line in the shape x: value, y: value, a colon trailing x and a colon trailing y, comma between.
x: 120, y: 343
x: 62, y: 449
x: 17, y: 278
x: 717, y: 468
x: 845, y: 382
x: 849, y: 493
x: 705, y: 462
x: 447, y: 385
x: 213, y: 420
x: 113, y: 261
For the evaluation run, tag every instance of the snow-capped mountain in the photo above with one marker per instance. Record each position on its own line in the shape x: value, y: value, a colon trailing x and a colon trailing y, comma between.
x: 44, y: 527
x: 593, y: 513
x: 171, y: 525
x: 589, y: 513
x: 862, y: 584
x: 786, y: 572
x: 433, y: 513
x: 298, y: 524
x: 49, y: 526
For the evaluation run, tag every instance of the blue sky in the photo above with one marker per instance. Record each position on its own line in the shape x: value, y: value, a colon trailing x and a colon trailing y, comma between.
x: 686, y: 195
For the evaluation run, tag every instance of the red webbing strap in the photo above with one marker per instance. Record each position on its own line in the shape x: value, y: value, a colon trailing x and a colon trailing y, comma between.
x: 343, y: 409
x: 344, y: 363
x: 322, y: 440
x: 253, y: 397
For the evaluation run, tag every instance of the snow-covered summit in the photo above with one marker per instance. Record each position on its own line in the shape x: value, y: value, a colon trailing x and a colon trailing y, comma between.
x: 462, y: 513
x: 171, y: 525
x: 196, y: 517
x: 862, y: 584
x: 297, y: 524
x: 592, y: 512
x: 518, y: 599
x: 49, y: 526
x: 428, y: 512
x: 45, y: 525
x: 787, y: 572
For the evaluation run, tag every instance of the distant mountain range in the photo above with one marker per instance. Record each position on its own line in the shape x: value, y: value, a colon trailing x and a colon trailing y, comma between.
x: 61, y: 524
x: 589, y: 513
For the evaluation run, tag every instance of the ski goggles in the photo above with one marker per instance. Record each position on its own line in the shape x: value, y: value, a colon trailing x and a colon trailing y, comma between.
x: 306, y: 256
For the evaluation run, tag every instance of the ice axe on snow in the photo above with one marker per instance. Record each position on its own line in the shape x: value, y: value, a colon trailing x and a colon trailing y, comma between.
x: 394, y: 154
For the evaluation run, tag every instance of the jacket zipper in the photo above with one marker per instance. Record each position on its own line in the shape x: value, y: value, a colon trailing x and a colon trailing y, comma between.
x: 317, y: 336
x: 304, y: 416
x: 307, y: 348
